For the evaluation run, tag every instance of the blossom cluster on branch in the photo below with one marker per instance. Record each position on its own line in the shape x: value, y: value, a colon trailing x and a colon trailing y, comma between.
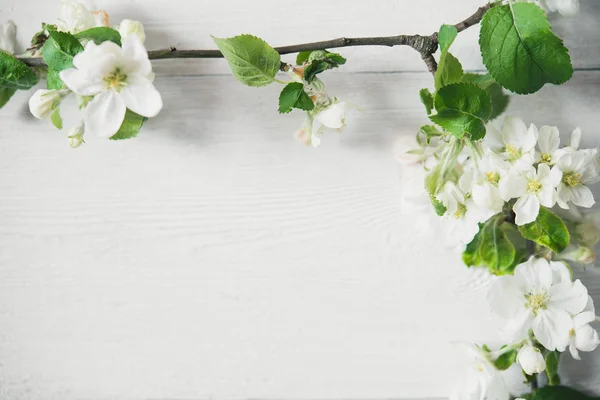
x: 507, y: 196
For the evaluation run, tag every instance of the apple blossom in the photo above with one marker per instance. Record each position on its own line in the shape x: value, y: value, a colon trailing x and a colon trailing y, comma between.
x: 579, y: 168
x: 75, y: 17
x: 582, y: 336
x: 538, y: 298
x: 548, y: 143
x: 127, y: 27
x: 43, y: 102
x: 118, y: 78
x: 531, y: 360
x: 481, y: 180
x: 8, y: 37
x: 481, y: 379
x: 532, y: 188
x: 519, y: 142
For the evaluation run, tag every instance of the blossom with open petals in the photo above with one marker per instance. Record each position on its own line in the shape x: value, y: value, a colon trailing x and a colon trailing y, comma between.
x: 519, y: 142
x: 582, y: 336
x: 118, y: 78
x: 76, y: 17
x: 481, y: 379
x: 548, y: 144
x: 579, y: 168
x: 539, y: 296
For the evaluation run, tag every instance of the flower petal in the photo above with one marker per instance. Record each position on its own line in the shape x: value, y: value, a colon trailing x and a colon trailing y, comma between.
x: 548, y: 139
x: 571, y: 297
x: 517, y: 328
x: 586, y: 338
x: 513, y: 130
x: 141, y: 96
x: 534, y: 275
x: 104, y: 115
x: 582, y: 196
x: 560, y: 272
x: 81, y: 83
x: 505, y: 298
x: 551, y: 329
x: 136, y: 55
x: 98, y: 60
x: 526, y: 209
x: 512, y: 186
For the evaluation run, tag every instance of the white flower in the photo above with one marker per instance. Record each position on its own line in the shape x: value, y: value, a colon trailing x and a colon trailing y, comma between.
x: 519, y: 142
x: 531, y: 188
x: 481, y: 178
x: 481, y: 379
x: 75, y: 135
x: 548, y: 143
x: 332, y: 116
x: 582, y: 336
x: 578, y: 169
x: 75, y: 17
x: 8, y: 37
x: 118, y: 79
x: 531, y: 360
x: 43, y: 102
x: 541, y: 297
x: 127, y: 27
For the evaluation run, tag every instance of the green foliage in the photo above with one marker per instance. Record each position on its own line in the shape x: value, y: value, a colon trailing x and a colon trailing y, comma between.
x: 56, y: 119
x: 321, y: 61
x: 100, y: 34
x: 53, y: 81
x: 252, y: 61
x: 495, y: 250
x: 486, y: 82
x: 506, y: 360
x: 547, y: 230
x: 426, y: 99
x: 294, y: 96
x: 552, y: 359
x: 449, y: 69
x: 519, y: 49
x: 446, y: 36
x: 14, y: 74
x: 302, y: 57
x: 471, y: 256
x: 438, y: 206
x: 130, y: 127
x: 429, y: 131
x: 5, y: 95
x: 559, y: 393
x: 462, y: 108
x: 59, y: 50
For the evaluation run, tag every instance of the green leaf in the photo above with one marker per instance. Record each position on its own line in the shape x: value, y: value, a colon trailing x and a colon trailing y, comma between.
x: 446, y: 36
x: 506, y: 360
x: 559, y: 393
x: 336, y: 58
x: 5, y: 95
x: 14, y: 74
x: 294, y: 96
x: 547, y: 230
x: 252, y: 61
x: 519, y: 49
x: 552, y: 359
x: 100, y: 34
x: 495, y: 250
x: 499, y: 98
x: 462, y: 108
x: 59, y: 50
x: 130, y: 127
x: 429, y: 131
x: 56, y: 119
x: 449, y: 71
x: 471, y: 254
x: 53, y: 81
x: 426, y: 99
x: 302, y: 57
x: 314, y: 68
x: 321, y: 61
x: 438, y: 206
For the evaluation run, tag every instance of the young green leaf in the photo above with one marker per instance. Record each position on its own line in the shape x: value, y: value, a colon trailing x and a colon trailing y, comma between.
x: 559, y: 393
x: 504, y: 361
x: 53, y: 81
x: 449, y: 71
x: 426, y: 99
x: 429, y: 131
x: 495, y: 250
x: 294, y: 96
x: 438, y: 206
x: 14, y: 74
x: 130, y: 127
x: 302, y: 57
x: 59, y: 50
x: 253, y: 62
x: 56, y: 119
x: 552, y: 359
x: 314, y: 68
x: 321, y: 61
x: 471, y: 254
x: 5, y: 95
x: 547, y: 230
x: 446, y: 36
x: 519, y: 49
x: 462, y: 108
x: 499, y: 98
x: 100, y: 34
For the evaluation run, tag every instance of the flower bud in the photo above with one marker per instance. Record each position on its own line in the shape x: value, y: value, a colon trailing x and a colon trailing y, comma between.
x: 8, y: 37
x: 333, y: 116
x: 76, y: 135
x: 128, y: 27
x: 581, y: 254
x: 531, y: 360
x: 43, y: 102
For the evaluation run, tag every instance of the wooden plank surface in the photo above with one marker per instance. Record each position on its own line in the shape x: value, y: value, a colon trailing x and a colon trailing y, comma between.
x: 214, y: 257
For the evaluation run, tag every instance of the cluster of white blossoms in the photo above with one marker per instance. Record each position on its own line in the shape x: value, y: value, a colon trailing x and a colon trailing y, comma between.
x: 106, y: 78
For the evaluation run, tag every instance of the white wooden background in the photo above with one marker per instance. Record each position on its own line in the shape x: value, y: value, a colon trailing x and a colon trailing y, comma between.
x: 214, y: 257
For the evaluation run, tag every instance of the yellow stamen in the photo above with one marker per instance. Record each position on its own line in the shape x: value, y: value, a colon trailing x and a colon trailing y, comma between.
x: 493, y: 177
x: 513, y: 152
x: 537, y: 301
x: 571, y: 179
x: 116, y: 80
x: 534, y: 186
x: 546, y: 158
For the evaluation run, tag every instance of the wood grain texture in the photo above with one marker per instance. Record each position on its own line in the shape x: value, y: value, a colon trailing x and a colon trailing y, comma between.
x: 214, y: 257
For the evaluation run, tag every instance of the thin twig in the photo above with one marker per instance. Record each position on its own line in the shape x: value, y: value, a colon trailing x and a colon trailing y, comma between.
x: 426, y: 46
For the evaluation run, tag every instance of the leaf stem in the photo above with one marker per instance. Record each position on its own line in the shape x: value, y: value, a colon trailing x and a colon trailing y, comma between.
x: 426, y: 46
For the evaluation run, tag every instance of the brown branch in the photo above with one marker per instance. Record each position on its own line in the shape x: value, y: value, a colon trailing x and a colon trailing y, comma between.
x: 426, y: 46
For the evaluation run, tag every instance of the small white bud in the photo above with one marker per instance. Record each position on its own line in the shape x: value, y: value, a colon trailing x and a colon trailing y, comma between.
x: 44, y: 101
x: 76, y: 135
x: 531, y: 360
x: 8, y: 37
x: 128, y: 27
